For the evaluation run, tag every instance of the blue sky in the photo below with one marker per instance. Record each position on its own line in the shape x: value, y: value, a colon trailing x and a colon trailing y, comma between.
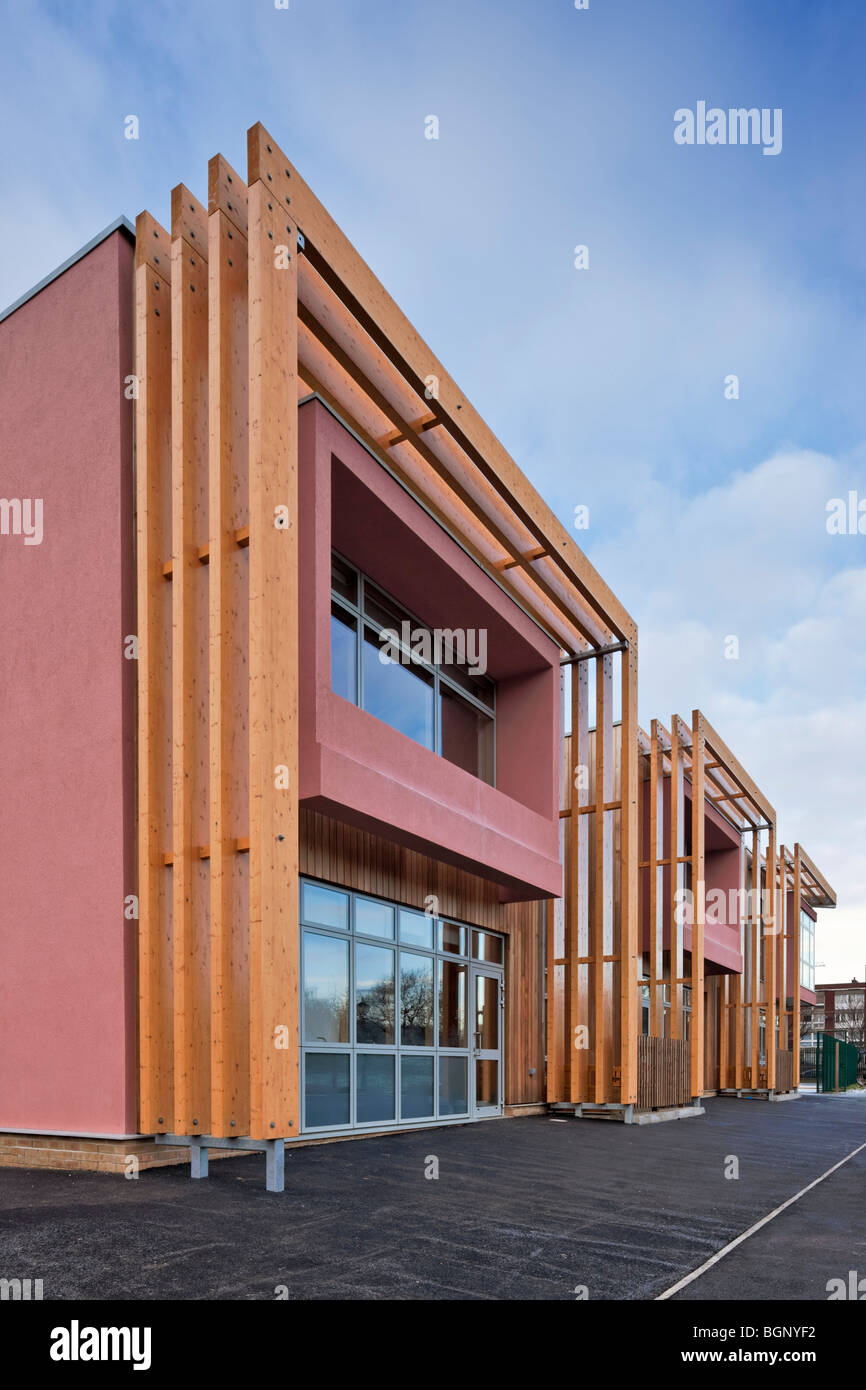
x: 607, y: 385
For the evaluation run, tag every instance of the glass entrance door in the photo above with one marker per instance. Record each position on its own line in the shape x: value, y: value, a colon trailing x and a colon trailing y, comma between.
x: 488, y: 1005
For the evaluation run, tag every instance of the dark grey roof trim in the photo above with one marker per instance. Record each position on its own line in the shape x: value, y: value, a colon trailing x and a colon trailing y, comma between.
x: 120, y: 224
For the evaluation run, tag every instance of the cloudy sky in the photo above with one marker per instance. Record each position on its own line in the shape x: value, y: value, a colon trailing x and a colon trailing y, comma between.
x: 607, y: 384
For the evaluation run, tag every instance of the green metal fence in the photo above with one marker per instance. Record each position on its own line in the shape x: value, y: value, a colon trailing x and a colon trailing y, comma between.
x: 835, y: 1063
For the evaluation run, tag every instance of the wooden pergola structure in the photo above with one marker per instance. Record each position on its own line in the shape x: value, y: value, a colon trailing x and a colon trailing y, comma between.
x: 699, y: 755
x: 798, y: 876
x: 244, y: 309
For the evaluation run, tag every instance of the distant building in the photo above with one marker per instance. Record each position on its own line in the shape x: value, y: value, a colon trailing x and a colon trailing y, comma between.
x: 838, y: 1010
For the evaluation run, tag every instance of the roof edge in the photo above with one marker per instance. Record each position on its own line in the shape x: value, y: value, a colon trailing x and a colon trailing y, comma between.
x: 120, y: 224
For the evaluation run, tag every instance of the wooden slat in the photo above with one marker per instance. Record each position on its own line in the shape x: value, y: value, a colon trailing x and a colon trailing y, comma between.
x: 153, y: 509
x: 273, y: 610
x: 676, y: 838
x: 768, y: 923
x: 754, y: 932
x: 663, y: 1073
x: 190, y: 769
x: 228, y: 694
x: 699, y: 899
x: 795, y: 984
x: 629, y: 923
x: 602, y: 907
x: 656, y: 888
x: 577, y: 907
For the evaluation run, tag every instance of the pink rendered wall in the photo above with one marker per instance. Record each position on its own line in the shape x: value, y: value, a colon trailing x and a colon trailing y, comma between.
x: 360, y: 770
x: 67, y: 955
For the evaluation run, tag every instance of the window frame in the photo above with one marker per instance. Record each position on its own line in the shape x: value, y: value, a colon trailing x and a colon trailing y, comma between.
x: 363, y: 620
x: 398, y: 1050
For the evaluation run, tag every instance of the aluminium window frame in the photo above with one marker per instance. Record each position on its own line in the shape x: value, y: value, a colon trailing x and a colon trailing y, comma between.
x: 398, y: 1050
x: 363, y: 619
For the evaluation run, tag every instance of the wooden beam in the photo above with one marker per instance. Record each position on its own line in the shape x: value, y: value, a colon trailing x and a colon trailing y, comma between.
x: 676, y: 853
x: 273, y: 559
x: 577, y: 908
x: 629, y: 923
x: 699, y: 899
x: 190, y: 821
x: 768, y: 921
x: 602, y: 904
x: 656, y: 888
x: 153, y: 525
x: 362, y: 293
x: 228, y: 456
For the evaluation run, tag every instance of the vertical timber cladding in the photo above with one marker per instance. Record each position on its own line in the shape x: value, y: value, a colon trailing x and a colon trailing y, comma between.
x: 216, y: 459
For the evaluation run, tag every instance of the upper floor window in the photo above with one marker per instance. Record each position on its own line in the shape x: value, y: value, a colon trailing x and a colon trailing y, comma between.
x: 427, y: 683
x: 807, y: 951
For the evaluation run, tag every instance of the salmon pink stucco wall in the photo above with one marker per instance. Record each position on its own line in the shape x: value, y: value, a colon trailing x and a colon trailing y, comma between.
x: 360, y: 770
x: 67, y: 953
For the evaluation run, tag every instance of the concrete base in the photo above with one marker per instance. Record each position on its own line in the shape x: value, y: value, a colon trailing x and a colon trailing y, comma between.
x: 675, y: 1112
x: 760, y: 1095
x: 629, y: 1114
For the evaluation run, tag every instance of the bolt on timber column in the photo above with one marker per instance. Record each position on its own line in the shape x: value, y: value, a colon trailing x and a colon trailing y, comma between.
x: 273, y: 481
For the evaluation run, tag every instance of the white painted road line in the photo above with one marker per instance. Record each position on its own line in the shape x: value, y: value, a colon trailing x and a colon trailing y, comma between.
x: 726, y: 1249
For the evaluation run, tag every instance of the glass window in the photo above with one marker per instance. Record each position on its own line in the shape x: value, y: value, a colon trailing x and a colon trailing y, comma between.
x: 452, y: 938
x: 344, y: 580
x: 374, y: 919
x: 375, y: 1087
x: 415, y: 678
x: 344, y: 652
x: 453, y: 1092
x: 326, y: 989
x: 400, y: 695
x: 416, y: 1000
x: 326, y: 1089
x: 452, y: 1003
x: 386, y: 1011
x: 487, y: 947
x: 416, y: 929
x: 374, y: 994
x: 467, y: 735
x: 324, y: 906
x: 416, y: 1087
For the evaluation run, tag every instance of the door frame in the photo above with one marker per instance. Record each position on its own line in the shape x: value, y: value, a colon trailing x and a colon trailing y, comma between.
x: 477, y: 970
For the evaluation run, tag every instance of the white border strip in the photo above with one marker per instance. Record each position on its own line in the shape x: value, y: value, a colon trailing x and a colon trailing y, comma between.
x: 726, y: 1249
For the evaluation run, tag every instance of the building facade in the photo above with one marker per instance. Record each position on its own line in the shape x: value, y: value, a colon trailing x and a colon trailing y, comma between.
x: 331, y: 729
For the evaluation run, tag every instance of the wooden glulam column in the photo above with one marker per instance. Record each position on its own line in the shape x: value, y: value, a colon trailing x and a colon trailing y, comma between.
x: 677, y: 873
x: 273, y: 615
x: 795, y: 935
x: 153, y: 522
x: 699, y: 901
x: 602, y: 903
x: 580, y: 1032
x: 189, y: 585
x: 770, y: 954
x: 228, y: 572
x: 783, y: 973
x: 656, y: 884
x: 629, y: 924
x: 755, y: 972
